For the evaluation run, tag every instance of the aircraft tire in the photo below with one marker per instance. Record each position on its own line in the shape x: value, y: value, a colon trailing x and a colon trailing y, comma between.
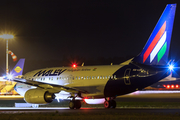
x: 72, y: 104
x: 107, y: 104
x: 77, y: 104
x: 113, y: 104
x: 110, y: 104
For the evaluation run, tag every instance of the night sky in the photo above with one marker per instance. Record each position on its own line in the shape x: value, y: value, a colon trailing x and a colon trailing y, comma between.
x: 54, y: 30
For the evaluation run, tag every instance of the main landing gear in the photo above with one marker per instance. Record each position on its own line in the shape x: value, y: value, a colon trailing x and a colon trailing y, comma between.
x: 110, y: 103
x: 75, y: 104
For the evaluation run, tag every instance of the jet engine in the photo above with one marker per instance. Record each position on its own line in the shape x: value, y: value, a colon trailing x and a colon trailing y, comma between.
x: 38, y: 96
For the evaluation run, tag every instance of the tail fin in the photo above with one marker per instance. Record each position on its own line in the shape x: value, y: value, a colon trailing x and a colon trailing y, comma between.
x: 157, y: 47
x: 18, y: 69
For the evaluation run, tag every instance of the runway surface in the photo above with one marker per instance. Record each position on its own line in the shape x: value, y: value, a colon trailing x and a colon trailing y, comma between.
x: 88, y: 110
x: 139, y: 96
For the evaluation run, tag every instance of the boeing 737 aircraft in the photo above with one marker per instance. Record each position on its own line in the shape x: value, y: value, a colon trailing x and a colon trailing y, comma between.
x: 106, y: 81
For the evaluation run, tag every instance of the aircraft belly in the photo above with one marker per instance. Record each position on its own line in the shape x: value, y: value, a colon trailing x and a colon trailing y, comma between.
x: 94, y: 88
x: 93, y: 91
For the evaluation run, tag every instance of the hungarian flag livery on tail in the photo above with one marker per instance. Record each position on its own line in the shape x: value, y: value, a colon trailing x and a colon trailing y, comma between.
x: 157, y: 47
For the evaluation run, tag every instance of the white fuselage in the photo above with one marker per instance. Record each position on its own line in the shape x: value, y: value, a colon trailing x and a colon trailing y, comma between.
x: 90, y: 78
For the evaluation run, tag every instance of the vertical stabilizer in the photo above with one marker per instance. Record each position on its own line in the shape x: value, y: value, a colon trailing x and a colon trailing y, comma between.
x: 157, y: 47
x: 18, y: 69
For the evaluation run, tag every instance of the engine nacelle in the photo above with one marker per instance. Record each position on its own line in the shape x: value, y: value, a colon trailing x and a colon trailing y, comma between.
x: 38, y: 96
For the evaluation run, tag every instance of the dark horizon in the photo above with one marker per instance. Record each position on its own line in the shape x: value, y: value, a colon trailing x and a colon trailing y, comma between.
x: 83, y: 31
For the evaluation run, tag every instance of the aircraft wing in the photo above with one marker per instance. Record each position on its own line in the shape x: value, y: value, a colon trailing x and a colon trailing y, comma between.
x: 53, y: 88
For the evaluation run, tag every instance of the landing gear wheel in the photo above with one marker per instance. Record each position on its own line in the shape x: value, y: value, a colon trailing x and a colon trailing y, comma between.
x: 75, y: 104
x: 113, y: 104
x: 72, y: 104
x: 107, y: 104
x: 110, y: 104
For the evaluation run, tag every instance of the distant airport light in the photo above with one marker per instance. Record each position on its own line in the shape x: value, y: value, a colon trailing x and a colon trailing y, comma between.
x: 171, y: 86
x: 6, y: 36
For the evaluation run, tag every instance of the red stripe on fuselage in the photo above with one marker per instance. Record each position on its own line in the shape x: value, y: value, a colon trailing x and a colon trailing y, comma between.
x: 154, y: 42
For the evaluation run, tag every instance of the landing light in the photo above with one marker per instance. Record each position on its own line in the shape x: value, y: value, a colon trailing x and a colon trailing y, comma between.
x: 9, y: 77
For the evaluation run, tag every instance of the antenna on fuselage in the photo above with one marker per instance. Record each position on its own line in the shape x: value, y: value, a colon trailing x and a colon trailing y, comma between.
x: 82, y: 64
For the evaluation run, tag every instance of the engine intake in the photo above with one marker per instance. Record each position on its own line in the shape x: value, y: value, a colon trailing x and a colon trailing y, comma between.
x: 38, y: 96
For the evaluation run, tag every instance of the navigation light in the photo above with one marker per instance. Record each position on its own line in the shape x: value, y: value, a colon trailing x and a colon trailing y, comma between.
x: 171, y: 67
x: 74, y: 65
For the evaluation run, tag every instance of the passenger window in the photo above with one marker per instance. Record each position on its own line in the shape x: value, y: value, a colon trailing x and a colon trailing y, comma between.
x: 92, y: 77
x: 84, y: 77
x: 100, y: 77
x: 97, y: 77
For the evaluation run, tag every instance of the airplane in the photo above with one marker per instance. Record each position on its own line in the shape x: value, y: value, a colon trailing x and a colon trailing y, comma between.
x: 104, y: 81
